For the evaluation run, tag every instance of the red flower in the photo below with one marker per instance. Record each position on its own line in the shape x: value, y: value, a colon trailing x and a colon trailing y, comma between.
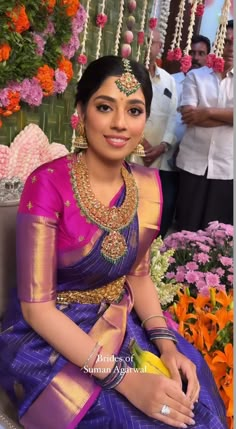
x: 170, y: 55
x: 101, y: 20
x: 200, y: 9
x: 218, y: 65
x: 82, y: 59
x: 152, y: 23
x: 140, y: 37
x: 186, y: 62
x: 210, y: 60
x: 177, y: 54
x: 74, y: 120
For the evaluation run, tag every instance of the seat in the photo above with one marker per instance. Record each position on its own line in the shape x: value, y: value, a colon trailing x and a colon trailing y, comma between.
x: 9, y: 200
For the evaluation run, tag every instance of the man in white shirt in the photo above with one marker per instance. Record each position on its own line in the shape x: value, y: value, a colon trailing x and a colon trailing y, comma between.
x: 159, y: 131
x: 200, y: 48
x: 206, y: 150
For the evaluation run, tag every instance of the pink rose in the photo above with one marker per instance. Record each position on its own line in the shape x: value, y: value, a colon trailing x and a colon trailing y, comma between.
x: 210, y: 60
x: 125, y: 50
x: 140, y: 37
x: 101, y: 20
x: 177, y: 54
x: 82, y: 59
x: 74, y: 120
x: 218, y: 65
x: 128, y: 36
x: 132, y: 5
x: 186, y: 62
x: 170, y: 55
x: 152, y: 23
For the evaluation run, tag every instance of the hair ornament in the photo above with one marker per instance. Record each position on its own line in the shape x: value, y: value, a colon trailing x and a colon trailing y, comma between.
x: 127, y: 82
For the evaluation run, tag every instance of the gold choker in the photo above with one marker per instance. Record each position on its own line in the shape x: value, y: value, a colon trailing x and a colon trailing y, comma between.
x: 110, y: 219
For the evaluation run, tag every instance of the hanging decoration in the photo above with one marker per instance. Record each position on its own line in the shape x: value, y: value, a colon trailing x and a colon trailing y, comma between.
x: 215, y: 59
x: 119, y: 27
x: 163, y: 22
x: 152, y: 26
x: 175, y: 52
x: 129, y: 35
x: 82, y: 58
x: 186, y: 59
x: 141, y: 31
x: 101, y: 21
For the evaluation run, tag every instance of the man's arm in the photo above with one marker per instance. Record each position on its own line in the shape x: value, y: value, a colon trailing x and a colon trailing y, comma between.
x: 207, y: 116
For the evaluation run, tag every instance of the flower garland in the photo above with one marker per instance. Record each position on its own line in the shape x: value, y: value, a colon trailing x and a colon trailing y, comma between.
x: 82, y: 58
x: 152, y: 26
x: 36, y: 48
x: 101, y: 21
x: 141, y: 31
x: 119, y: 27
x: 175, y: 53
x: 186, y: 60
x: 214, y: 59
x: 163, y: 22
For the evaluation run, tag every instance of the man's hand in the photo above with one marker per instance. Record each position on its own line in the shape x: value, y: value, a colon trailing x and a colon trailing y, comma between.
x: 194, y: 115
x: 153, y: 152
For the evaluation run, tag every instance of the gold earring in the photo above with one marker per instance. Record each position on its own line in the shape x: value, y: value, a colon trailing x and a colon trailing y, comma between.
x: 81, y: 140
x: 139, y: 150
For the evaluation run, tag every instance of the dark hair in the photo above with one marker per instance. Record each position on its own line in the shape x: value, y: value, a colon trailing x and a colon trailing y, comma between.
x: 202, y: 39
x: 104, y: 67
x: 230, y: 24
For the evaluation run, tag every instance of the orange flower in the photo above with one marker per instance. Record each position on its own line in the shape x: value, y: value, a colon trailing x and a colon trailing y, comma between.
x: 66, y: 66
x: 71, y: 6
x: 45, y: 76
x: 5, y: 51
x: 19, y: 19
x: 50, y: 4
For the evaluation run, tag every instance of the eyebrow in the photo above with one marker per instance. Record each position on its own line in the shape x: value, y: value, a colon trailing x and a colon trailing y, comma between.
x: 113, y: 100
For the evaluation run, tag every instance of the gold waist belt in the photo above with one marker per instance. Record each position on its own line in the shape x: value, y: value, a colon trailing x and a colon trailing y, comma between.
x: 110, y: 292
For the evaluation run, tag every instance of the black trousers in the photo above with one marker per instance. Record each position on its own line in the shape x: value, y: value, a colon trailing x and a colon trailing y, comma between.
x: 169, y: 184
x: 201, y: 200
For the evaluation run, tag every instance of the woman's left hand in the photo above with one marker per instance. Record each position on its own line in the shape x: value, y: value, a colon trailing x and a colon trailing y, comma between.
x: 181, y: 368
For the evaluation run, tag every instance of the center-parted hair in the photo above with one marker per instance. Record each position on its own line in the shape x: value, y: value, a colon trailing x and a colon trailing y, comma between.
x: 105, y: 67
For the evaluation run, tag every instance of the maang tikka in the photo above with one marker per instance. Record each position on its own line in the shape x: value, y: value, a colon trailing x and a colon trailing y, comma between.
x: 127, y: 82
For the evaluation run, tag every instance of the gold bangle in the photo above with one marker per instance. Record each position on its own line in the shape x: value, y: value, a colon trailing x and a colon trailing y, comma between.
x: 152, y: 317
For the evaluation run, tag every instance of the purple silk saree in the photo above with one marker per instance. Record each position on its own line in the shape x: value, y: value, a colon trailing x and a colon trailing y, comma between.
x: 60, y: 251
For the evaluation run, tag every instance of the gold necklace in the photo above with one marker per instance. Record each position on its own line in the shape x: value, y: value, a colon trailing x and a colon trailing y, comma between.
x: 110, y: 219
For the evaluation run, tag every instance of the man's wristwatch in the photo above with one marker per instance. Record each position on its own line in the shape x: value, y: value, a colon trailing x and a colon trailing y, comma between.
x: 166, y: 146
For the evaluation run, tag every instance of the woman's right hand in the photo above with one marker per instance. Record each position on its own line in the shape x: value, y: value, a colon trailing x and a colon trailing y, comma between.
x: 149, y: 392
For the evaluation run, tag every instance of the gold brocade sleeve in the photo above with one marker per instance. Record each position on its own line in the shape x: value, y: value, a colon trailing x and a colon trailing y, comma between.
x: 149, y: 215
x: 36, y: 258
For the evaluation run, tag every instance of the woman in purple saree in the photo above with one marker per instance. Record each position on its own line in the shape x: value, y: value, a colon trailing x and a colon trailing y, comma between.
x: 84, y: 229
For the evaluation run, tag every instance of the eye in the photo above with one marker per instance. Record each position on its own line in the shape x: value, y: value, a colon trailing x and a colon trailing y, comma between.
x: 135, y: 111
x: 103, y: 108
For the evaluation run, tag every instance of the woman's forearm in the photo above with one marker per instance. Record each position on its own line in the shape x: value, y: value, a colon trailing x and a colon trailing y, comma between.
x: 63, y: 334
x: 146, y: 304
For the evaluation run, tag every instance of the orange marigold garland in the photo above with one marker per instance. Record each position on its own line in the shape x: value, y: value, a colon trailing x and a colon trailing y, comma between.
x: 19, y: 21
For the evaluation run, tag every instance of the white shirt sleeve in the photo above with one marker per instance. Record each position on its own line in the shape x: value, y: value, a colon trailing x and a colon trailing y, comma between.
x: 190, y: 91
x: 169, y: 135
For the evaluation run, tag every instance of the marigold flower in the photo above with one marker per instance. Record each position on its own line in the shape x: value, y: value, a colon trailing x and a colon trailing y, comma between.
x: 19, y: 19
x: 45, y: 77
x: 71, y: 6
x: 5, y: 51
x: 66, y: 66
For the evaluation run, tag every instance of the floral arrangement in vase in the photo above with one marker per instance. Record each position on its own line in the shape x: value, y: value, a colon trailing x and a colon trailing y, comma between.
x: 38, y: 43
x: 193, y: 273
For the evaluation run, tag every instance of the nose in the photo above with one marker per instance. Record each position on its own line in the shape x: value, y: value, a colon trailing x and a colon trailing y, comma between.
x: 118, y: 120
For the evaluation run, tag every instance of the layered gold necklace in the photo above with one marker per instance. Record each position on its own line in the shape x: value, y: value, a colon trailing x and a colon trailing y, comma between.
x: 110, y: 219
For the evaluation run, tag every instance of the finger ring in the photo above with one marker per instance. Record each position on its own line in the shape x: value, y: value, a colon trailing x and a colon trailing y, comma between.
x: 165, y: 411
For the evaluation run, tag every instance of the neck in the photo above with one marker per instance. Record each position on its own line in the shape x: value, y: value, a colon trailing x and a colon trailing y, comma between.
x: 152, y: 68
x: 103, y: 171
